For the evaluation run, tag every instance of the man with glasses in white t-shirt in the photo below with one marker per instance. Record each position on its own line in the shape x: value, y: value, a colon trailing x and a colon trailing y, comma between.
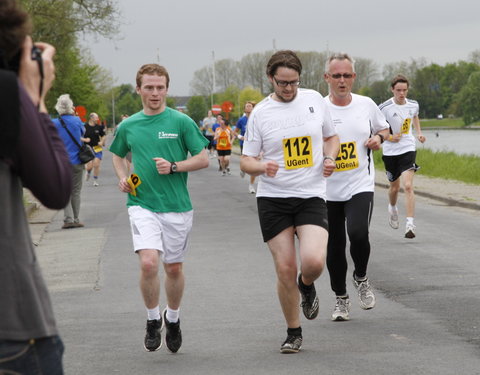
x: 293, y: 130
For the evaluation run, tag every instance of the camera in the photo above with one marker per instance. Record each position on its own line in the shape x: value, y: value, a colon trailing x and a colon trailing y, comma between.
x: 14, y: 62
x: 36, y: 53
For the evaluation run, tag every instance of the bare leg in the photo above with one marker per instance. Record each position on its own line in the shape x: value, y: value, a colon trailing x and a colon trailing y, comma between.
x: 282, y: 248
x: 149, y: 280
x: 174, y: 284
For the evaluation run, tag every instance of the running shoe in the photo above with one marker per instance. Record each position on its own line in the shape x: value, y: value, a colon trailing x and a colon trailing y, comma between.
x: 173, y: 336
x: 153, y: 337
x: 242, y: 174
x: 366, y: 297
x: 251, y: 189
x: 309, y: 301
x: 410, y: 231
x: 68, y: 225
x: 87, y: 176
x: 292, y: 344
x: 393, y: 218
x: 342, y: 308
x: 228, y: 171
x: 95, y: 183
x: 224, y: 173
x: 78, y: 225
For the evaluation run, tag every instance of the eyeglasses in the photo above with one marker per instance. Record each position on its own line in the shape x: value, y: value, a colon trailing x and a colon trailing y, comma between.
x: 286, y: 83
x: 338, y: 75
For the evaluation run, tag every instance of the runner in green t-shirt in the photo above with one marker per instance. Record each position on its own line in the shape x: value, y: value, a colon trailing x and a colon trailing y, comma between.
x: 160, y: 140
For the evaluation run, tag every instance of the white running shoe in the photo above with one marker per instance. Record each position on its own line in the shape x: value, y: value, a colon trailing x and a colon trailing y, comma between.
x: 87, y: 176
x: 366, y: 298
x: 95, y: 183
x: 251, y: 189
x: 393, y: 218
x: 410, y: 231
x: 342, y: 308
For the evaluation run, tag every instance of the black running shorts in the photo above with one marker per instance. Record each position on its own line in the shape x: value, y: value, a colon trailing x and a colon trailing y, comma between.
x: 395, y: 165
x: 278, y: 214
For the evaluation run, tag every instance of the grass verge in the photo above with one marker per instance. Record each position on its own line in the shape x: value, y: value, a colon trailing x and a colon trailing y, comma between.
x: 440, y: 164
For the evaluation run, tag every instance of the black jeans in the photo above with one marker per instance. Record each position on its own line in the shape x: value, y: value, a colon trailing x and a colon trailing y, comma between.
x: 40, y: 356
x: 356, y: 213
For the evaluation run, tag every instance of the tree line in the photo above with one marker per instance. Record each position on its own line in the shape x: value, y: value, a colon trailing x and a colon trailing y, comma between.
x: 450, y: 90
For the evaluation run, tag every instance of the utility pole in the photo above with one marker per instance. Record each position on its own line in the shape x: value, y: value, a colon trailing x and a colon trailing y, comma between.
x: 213, y: 76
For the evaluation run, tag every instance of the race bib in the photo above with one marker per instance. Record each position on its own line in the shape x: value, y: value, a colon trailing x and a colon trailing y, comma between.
x: 405, y: 129
x: 97, y: 148
x: 297, y: 152
x: 222, y: 142
x: 347, y: 158
x: 134, y: 181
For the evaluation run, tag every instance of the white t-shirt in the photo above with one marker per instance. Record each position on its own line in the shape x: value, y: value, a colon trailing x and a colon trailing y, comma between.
x: 400, y: 117
x: 291, y: 134
x: 355, y: 123
x: 207, y: 125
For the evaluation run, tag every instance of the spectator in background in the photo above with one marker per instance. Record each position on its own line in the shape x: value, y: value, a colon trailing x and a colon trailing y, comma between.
x: 32, y: 155
x: 66, y: 112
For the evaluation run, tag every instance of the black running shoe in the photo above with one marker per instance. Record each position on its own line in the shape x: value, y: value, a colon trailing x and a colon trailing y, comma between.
x: 309, y: 300
x: 173, y: 336
x: 292, y: 344
x: 153, y: 337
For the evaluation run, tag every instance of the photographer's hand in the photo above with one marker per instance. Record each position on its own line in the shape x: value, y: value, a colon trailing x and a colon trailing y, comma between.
x: 29, y: 72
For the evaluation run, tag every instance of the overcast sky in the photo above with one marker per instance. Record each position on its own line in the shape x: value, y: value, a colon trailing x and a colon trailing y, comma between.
x: 181, y: 35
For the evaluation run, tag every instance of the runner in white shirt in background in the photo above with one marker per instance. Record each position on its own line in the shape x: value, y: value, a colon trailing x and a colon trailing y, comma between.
x: 361, y: 128
x: 293, y: 129
x: 399, y: 150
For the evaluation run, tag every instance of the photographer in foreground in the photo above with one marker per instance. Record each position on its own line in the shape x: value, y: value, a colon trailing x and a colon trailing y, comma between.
x: 32, y: 155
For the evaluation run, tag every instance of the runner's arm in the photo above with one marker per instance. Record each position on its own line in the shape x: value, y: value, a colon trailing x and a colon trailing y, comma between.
x: 418, y: 130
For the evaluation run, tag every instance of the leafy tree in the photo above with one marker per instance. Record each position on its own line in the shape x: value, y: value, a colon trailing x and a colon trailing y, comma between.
x: 470, y: 99
x: 59, y: 22
x: 247, y: 94
x: 197, y: 108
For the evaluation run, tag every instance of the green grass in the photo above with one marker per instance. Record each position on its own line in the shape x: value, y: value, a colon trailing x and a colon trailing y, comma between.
x: 453, y: 123
x: 446, y: 165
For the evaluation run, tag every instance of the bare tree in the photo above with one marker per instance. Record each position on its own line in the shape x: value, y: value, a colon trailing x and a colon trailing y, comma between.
x: 202, y: 82
x: 252, y: 71
x: 226, y: 74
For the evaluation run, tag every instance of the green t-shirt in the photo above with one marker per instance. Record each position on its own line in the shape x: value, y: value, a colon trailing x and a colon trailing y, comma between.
x: 170, y: 135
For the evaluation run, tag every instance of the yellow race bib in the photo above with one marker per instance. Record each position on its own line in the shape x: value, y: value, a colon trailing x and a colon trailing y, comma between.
x: 347, y: 158
x: 97, y: 148
x: 134, y: 181
x: 406, y: 126
x: 297, y: 152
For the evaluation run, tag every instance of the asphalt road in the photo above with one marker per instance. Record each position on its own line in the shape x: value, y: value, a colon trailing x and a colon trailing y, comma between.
x: 425, y: 322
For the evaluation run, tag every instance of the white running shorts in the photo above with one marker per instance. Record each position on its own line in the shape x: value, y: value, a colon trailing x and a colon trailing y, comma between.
x: 167, y: 232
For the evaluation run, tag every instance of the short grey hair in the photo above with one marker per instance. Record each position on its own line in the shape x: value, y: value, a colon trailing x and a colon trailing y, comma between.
x: 339, y: 56
x: 64, y: 105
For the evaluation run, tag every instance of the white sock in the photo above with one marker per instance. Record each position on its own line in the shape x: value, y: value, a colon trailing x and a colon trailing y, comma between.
x: 391, y: 208
x: 172, y: 315
x: 410, y: 220
x: 153, y: 314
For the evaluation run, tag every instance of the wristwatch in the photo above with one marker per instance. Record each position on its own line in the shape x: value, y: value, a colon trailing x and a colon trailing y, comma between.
x: 382, y: 138
x: 173, y: 168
